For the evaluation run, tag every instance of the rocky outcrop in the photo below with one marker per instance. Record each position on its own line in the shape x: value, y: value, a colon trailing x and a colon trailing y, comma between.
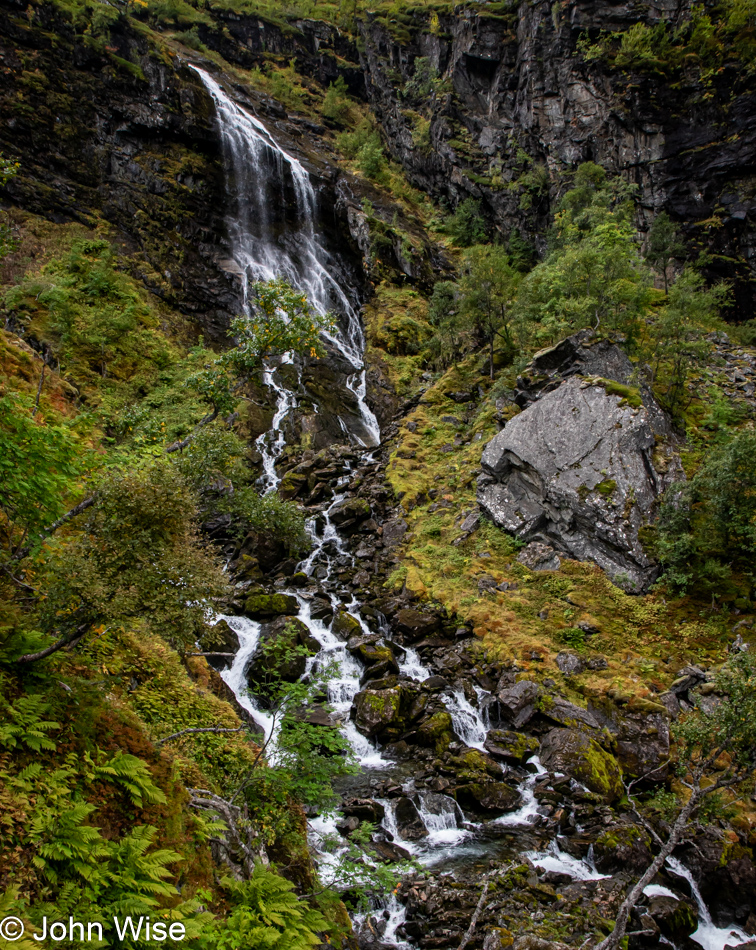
x: 582, y: 467
x: 577, y: 755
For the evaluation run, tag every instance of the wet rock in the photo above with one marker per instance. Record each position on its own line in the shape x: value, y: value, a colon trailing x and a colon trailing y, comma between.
x: 321, y: 610
x: 569, y: 663
x: 261, y: 604
x: 350, y: 509
x: 564, y: 713
x: 576, y: 470
x: 292, y: 484
x: 346, y: 626
x: 268, y: 664
x: 393, y: 532
x: 366, y: 809
x: 622, y: 847
x: 378, y: 658
x: 389, y: 852
x: 408, y: 821
x: 516, y: 704
x: 642, y: 736
x: 511, y: 746
x: 487, y: 797
x: 676, y: 919
x: 435, y: 730
x: 415, y: 625
x: 539, y: 557
x: 578, y: 755
x: 224, y: 640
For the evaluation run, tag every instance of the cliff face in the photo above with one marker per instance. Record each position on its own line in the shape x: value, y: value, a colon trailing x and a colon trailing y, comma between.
x: 517, y: 84
x: 494, y: 107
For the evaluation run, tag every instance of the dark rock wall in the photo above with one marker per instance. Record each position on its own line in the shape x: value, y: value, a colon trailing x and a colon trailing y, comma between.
x: 517, y: 82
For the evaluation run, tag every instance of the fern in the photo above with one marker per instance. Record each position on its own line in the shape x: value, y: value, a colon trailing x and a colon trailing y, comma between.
x: 62, y: 838
x: 135, y: 778
x: 267, y: 916
x: 26, y: 725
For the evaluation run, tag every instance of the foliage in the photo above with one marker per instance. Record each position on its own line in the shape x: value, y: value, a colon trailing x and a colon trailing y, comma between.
x: 680, y: 334
x: 38, y: 467
x: 664, y: 245
x: 280, y: 320
x: 467, y: 226
x: 336, y: 104
x: 138, y: 555
x: 268, y: 515
x: 452, y: 334
x: 306, y: 755
x: 707, y: 526
x: 594, y: 275
x: 265, y: 914
x: 488, y: 290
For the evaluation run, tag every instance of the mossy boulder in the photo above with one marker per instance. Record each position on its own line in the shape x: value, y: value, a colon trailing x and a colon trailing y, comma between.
x: 677, y: 919
x: 292, y: 484
x: 351, y: 509
x: 511, y: 746
x: 346, y: 626
x: 375, y: 711
x: 474, y: 766
x: 379, y: 660
x: 260, y: 604
x: 578, y: 755
x: 435, y: 730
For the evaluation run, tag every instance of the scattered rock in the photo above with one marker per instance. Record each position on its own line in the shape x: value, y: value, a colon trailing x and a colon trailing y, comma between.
x: 539, y: 557
x: 511, y: 746
x: 569, y: 663
x: 408, y: 821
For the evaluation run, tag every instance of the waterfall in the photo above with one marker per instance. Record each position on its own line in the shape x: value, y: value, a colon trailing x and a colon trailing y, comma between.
x: 708, y: 935
x: 260, y: 176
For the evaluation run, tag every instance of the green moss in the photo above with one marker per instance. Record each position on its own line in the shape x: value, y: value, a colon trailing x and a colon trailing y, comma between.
x: 606, y: 487
x: 271, y: 605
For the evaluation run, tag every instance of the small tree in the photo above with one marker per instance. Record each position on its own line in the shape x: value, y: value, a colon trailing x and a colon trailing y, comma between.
x: 466, y: 225
x: 716, y: 750
x: 679, y: 334
x: 451, y: 334
x: 664, y: 245
x: 488, y: 291
x: 708, y: 524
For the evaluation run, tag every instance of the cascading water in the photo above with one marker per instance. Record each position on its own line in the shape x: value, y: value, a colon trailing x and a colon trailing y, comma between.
x: 708, y: 935
x: 260, y: 173
x: 262, y: 180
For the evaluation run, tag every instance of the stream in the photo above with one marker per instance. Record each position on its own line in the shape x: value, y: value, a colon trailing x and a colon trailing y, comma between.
x: 259, y: 172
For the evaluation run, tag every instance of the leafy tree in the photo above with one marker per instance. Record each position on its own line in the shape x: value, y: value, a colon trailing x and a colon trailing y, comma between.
x: 280, y: 321
x: 594, y: 275
x: 138, y: 555
x: 336, y: 103
x: 38, y: 467
x: 268, y: 515
x: 716, y: 750
x: 488, y: 291
x: 467, y: 226
x: 679, y: 334
x: 452, y: 334
x: 708, y: 524
x: 663, y: 245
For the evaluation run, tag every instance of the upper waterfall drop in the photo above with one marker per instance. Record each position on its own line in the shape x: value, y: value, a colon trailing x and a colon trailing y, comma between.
x: 259, y: 172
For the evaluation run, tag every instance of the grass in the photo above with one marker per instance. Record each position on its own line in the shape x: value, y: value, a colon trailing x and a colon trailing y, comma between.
x: 645, y: 640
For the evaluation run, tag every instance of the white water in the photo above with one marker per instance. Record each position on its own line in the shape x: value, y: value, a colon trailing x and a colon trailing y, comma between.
x: 554, y: 859
x: 467, y: 720
x: 708, y: 935
x: 259, y: 174
x: 528, y: 811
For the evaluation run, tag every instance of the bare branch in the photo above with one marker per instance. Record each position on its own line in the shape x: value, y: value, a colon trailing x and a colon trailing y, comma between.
x: 69, y: 640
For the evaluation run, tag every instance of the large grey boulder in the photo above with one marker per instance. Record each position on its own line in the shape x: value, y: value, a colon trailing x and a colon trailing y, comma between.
x: 582, y: 467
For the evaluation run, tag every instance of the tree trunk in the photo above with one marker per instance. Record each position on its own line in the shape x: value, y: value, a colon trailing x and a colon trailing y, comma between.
x: 614, y: 939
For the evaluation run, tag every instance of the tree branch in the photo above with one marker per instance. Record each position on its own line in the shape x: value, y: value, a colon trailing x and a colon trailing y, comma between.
x: 69, y: 640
